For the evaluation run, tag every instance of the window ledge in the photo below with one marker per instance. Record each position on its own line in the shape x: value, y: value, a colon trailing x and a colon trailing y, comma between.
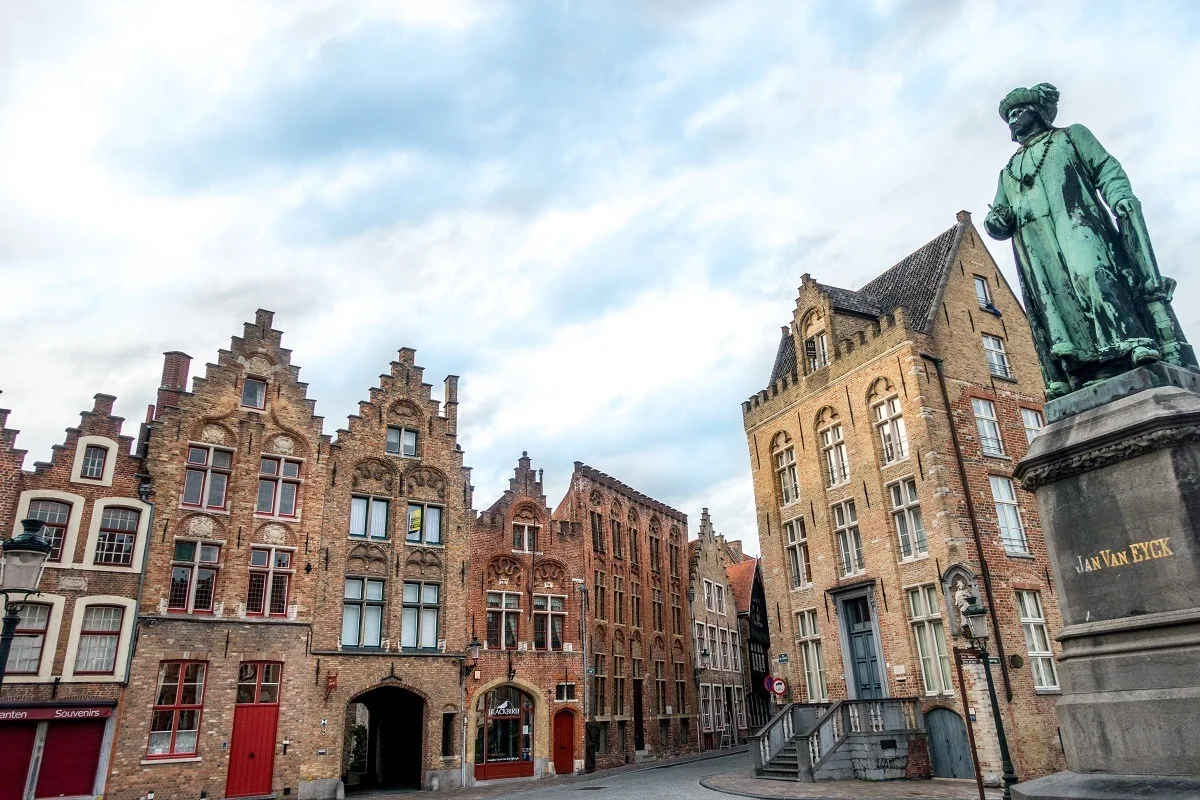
x: 1048, y: 691
x: 1005, y: 378
x: 896, y: 462
x: 1030, y: 556
x: 915, y: 559
x: 146, y: 762
x: 997, y: 456
x: 224, y: 512
x: 412, y: 543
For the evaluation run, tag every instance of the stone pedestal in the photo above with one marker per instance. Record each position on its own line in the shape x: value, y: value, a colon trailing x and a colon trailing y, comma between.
x: 1117, y: 480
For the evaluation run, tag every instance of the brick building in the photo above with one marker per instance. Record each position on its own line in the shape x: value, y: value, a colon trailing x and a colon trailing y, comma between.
x: 641, y: 702
x: 220, y: 695
x: 70, y: 656
x: 754, y: 635
x: 390, y: 594
x: 882, y: 452
x: 526, y: 600
x: 716, y: 639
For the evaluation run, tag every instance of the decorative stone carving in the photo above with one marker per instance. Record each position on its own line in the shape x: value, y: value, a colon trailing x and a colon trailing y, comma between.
x: 404, y: 410
x: 200, y: 527
x: 283, y: 444
x: 425, y: 481
x: 259, y: 365
x: 596, y: 498
x: 550, y: 572
x: 504, y: 568
x: 273, y: 534
x: 213, y: 434
x: 373, y: 476
x: 423, y: 561
x: 72, y: 583
x: 526, y: 515
x: 293, y: 611
x: 1098, y: 457
x: 368, y: 558
x: 218, y: 609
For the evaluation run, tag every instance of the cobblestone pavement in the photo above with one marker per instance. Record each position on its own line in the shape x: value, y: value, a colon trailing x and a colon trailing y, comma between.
x: 706, y: 777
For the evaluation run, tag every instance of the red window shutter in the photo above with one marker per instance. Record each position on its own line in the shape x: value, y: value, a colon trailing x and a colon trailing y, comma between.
x: 16, y: 747
x: 70, y: 758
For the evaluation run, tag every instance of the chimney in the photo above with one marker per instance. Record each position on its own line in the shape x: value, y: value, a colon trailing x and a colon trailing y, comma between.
x: 963, y: 216
x: 174, y: 378
x: 264, y: 318
x: 452, y: 405
x: 104, y: 405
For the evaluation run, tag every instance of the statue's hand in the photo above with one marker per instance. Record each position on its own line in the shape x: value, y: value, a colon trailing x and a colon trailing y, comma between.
x: 1125, y: 207
x: 1000, y: 222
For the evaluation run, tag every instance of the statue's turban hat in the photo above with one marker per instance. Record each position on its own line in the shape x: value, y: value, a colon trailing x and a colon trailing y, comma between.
x: 1043, y: 97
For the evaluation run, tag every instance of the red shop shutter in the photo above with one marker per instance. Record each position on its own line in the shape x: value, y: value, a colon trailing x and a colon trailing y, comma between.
x: 70, y: 758
x: 16, y: 747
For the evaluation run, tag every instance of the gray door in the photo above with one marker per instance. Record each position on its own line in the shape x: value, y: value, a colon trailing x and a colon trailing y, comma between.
x: 863, y: 655
x: 949, y: 748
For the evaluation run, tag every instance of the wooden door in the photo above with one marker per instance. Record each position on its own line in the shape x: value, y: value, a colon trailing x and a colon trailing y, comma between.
x: 863, y: 655
x: 564, y: 743
x: 639, y: 732
x: 255, y: 717
x: 949, y: 748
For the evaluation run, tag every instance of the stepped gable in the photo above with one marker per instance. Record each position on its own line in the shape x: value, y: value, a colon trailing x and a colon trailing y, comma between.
x: 741, y: 581
x: 403, y: 389
x: 97, y: 422
x: 526, y: 482
x: 605, y: 479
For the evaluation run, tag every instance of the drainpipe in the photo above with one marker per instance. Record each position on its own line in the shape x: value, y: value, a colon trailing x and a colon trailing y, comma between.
x: 983, y: 565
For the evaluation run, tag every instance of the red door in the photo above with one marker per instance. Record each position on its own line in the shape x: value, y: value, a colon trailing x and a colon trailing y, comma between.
x: 564, y: 743
x: 16, y: 748
x: 252, y: 751
x: 70, y: 758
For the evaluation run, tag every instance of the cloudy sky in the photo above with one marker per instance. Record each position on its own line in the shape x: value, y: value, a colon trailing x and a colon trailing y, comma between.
x: 597, y: 213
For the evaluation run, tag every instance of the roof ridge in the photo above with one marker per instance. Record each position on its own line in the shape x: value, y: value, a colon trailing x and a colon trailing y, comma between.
x: 624, y: 488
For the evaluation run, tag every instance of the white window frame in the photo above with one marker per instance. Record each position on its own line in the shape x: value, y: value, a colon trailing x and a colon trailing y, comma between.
x: 527, y: 536
x: 706, y: 707
x: 849, y: 539
x: 708, y: 595
x: 1033, y: 421
x: 1008, y: 515
x: 925, y: 617
x: 988, y: 426
x: 799, y: 564
x: 889, y: 426
x: 123, y: 639
x: 820, y: 355
x: 785, y: 469
x: 719, y: 598
x: 812, y: 656
x: 997, y: 356
x: 906, y: 516
x: 1037, y: 640
x: 110, y: 460
x: 833, y: 450
x: 984, y: 297
x: 404, y: 438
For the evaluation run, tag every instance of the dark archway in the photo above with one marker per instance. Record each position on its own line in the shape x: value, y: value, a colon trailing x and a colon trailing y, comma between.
x: 384, y: 742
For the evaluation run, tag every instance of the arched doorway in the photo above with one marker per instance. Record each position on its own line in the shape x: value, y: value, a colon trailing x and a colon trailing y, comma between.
x: 504, y: 734
x: 384, y: 746
x: 564, y: 743
x: 949, y: 748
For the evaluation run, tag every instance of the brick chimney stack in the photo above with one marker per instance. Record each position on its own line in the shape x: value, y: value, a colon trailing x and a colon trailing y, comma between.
x: 451, y: 403
x: 174, y: 378
x: 103, y: 406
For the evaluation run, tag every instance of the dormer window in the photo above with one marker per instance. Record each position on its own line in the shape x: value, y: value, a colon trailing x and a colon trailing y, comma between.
x: 94, y: 457
x: 402, y: 442
x: 254, y: 393
x: 816, y: 351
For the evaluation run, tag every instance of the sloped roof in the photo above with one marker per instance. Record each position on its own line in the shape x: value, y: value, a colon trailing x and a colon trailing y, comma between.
x: 851, y: 301
x: 785, y: 357
x: 741, y: 582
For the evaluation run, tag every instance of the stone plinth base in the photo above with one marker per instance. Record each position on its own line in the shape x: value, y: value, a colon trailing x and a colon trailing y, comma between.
x: 1082, y: 786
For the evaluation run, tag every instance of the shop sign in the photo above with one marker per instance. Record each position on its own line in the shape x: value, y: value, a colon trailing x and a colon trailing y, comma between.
x: 505, y: 709
x: 83, y: 712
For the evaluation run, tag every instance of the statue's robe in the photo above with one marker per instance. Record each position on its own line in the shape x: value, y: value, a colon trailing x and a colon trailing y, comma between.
x: 1081, y: 290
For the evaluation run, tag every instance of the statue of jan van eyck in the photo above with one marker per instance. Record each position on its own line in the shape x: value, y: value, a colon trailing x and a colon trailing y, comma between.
x: 1097, y: 304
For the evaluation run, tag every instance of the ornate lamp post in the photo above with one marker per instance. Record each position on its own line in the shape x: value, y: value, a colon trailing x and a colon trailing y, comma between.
x: 974, y: 618
x: 22, y: 560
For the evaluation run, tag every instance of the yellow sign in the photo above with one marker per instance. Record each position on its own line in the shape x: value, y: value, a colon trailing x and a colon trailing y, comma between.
x: 414, y: 520
x: 1133, y: 554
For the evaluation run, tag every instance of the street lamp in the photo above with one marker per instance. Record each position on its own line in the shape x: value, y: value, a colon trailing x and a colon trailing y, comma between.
x: 22, y: 559
x: 473, y: 654
x: 976, y: 627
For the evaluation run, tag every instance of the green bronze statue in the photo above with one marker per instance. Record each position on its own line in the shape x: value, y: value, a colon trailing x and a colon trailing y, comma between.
x: 1097, y: 304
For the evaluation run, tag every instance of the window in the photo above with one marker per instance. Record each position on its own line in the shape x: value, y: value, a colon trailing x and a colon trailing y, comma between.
x: 270, y: 577
x: 982, y: 293
x: 402, y: 442
x: 633, y: 546
x: 93, y: 462
x: 988, y: 427
x: 175, y: 720
x: 600, y: 680
x: 736, y: 649
x: 448, y: 733
x: 660, y: 687
x: 996, y: 357
x: 785, y: 468
x: 618, y: 541
x: 714, y: 657
x: 1032, y: 419
x: 680, y: 689
x: 278, y: 486
x: 25, y: 655
x: 254, y: 393
x: 525, y: 538
x: 549, y: 619
x: 635, y: 606
x: 564, y: 692
x: 369, y: 517
x: 925, y: 614
x: 98, y: 635
x: 673, y: 555
x: 816, y: 351
x: 889, y: 422
x: 54, y: 515
x: 419, y: 619
x: 362, y: 613
x: 118, y: 532
x: 598, y: 579
x: 833, y: 447
x: 503, y: 620
x: 718, y: 708
x: 797, y: 547
x: 207, y: 476
x: 676, y: 615
x: 425, y: 524
x: 808, y: 640
x: 708, y: 595
x: 719, y: 596
x: 739, y: 707
x: 706, y: 706
x: 1008, y: 514
x: 701, y: 643
x: 906, y: 513
x: 602, y: 740
x: 1037, y: 640
x: 656, y: 606
x: 193, y: 577
x: 850, y: 555
x: 618, y: 600
x: 258, y: 683
x: 723, y: 636
x: 597, y: 532
x: 618, y: 682
x: 655, y: 554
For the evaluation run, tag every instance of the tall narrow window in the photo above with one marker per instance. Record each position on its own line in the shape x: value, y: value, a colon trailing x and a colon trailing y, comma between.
x: 681, y: 704
x: 719, y: 598
x: 906, y: 514
x: 816, y: 351
x: 525, y: 538
x: 618, y: 600
x: 833, y: 448
x: 889, y: 424
x: 656, y: 604
x: 98, y: 636
x: 706, y: 706
x: 94, y: 457
x: 618, y: 540
x: 362, y: 613
x: 270, y: 580
x: 254, y: 393
x: 175, y: 720
x: 503, y: 620
x: 735, y: 648
x: 618, y: 682
x: 207, y: 476
x: 997, y: 358
x: 549, y: 618
x: 676, y: 615
x: 402, y: 442
x: 660, y: 687
x: 739, y: 706
x: 1037, y: 640
x: 118, y: 533
x: 655, y: 554
x: 425, y: 524
x: 54, y: 515
x: 419, y: 620
x: 600, y: 680
x: 599, y: 587
x: 988, y: 427
x: 785, y: 468
x: 925, y: 614
x: 278, y: 486
x: 718, y: 708
x: 850, y: 555
x: 1008, y: 515
x: 25, y: 655
x: 808, y: 640
x: 701, y: 638
x: 1033, y: 422
x: 633, y: 545
x: 982, y: 293
x: 723, y: 637
x: 797, y: 547
x: 673, y: 554
x: 368, y: 517
x: 708, y: 595
x: 597, y: 532
x: 635, y: 605
x: 193, y: 577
